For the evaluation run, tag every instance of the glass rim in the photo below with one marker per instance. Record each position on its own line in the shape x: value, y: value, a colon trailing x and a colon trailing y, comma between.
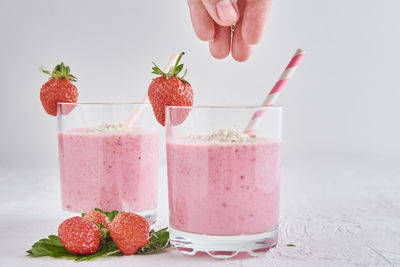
x: 101, y: 103
x: 172, y: 107
x: 224, y: 107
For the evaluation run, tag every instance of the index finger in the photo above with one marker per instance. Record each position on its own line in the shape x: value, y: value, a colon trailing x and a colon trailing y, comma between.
x: 254, y: 19
x: 203, y: 24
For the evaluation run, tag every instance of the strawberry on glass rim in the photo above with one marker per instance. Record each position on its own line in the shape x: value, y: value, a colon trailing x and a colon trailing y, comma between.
x: 170, y: 90
x: 58, y: 88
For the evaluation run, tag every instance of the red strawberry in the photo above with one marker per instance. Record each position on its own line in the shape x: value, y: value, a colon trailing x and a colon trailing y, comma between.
x: 98, y: 218
x: 170, y: 90
x: 79, y: 236
x: 130, y: 232
x: 58, y: 89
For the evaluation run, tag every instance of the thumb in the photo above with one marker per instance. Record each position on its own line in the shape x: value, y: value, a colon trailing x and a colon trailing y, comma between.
x: 223, y: 12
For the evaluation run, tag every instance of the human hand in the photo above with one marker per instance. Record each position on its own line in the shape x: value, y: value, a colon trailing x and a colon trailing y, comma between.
x: 229, y: 25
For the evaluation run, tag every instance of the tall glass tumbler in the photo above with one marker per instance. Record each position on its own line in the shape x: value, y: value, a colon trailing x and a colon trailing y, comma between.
x: 223, y: 184
x: 104, y: 163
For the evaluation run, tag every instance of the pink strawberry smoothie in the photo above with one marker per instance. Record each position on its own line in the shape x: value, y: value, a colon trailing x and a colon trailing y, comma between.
x: 223, y: 188
x: 108, y: 170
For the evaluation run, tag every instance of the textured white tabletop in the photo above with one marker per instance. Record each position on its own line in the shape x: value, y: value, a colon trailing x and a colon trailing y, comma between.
x: 339, y: 210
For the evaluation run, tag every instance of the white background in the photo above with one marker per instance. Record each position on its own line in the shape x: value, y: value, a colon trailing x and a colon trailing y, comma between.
x: 341, y: 128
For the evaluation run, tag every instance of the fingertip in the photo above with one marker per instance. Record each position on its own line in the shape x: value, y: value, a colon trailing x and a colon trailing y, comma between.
x: 242, y: 55
x: 220, y: 47
x: 241, y: 51
x: 216, y: 52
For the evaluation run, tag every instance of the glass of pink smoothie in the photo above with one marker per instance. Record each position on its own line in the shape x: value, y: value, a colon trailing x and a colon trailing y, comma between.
x: 223, y: 184
x: 104, y: 163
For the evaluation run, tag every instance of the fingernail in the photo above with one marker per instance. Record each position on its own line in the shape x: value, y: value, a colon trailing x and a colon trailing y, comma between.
x: 226, y: 11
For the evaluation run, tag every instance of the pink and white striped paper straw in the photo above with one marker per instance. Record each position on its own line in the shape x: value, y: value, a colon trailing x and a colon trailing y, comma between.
x: 276, y: 90
x: 136, y: 112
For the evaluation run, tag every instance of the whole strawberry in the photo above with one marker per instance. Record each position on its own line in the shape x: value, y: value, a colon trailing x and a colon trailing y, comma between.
x: 79, y: 236
x: 130, y: 232
x: 98, y: 218
x: 58, y: 88
x: 170, y: 90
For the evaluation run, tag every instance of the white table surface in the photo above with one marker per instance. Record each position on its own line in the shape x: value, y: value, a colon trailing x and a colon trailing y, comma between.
x: 339, y: 210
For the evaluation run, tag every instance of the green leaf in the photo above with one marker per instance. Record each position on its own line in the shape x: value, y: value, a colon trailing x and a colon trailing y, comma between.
x: 52, y: 240
x: 157, y: 70
x: 183, y: 76
x: 53, y: 247
x: 61, y: 71
x: 157, y: 243
x: 37, y: 252
x: 50, y: 246
x: 108, y: 249
x: 178, y: 69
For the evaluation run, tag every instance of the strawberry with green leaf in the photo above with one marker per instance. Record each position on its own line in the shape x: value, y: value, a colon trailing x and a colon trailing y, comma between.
x: 86, y: 238
x: 58, y: 88
x: 170, y: 89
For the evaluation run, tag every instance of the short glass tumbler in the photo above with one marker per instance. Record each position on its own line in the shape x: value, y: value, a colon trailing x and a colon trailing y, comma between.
x: 104, y: 162
x: 223, y: 185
